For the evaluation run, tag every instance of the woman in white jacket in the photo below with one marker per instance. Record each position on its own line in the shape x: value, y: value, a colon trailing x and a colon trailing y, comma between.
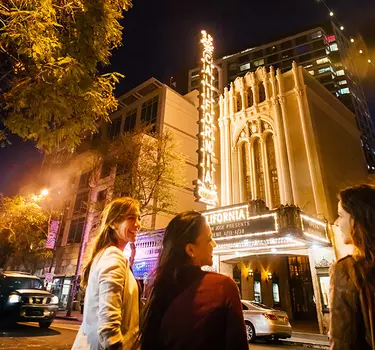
x: 111, y: 310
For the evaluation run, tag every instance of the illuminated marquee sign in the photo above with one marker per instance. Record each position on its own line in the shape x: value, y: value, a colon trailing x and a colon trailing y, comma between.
x: 205, y: 189
x: 235, y: 222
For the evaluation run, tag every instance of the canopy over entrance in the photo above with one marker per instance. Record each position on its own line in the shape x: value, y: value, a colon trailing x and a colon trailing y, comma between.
x: 253, y: 228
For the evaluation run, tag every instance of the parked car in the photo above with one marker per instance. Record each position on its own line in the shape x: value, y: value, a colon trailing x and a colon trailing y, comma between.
x: 264, y: 321
x: 23, y: 299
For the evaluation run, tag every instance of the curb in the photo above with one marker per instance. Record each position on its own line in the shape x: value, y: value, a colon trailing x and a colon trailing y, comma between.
x: 303, y: 344
x: 71, y: 318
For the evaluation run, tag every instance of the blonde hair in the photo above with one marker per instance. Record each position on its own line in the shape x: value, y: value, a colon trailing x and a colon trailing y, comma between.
x: 114, y: 212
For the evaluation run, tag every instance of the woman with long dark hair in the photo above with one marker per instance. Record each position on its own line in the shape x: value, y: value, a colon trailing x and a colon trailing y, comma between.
x: 189, y: 308
x: 353, y: 277
x: 110, y: 313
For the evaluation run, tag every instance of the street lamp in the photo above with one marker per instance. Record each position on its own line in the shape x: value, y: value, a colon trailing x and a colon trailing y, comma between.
x: 44, y: 192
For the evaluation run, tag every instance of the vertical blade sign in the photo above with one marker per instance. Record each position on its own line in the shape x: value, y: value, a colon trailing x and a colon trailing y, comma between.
x: 205, y: 189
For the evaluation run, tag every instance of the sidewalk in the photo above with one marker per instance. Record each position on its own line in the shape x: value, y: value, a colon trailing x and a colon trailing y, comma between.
x: 75, y: 316
x: 307, y: 340
x: 303, y: 339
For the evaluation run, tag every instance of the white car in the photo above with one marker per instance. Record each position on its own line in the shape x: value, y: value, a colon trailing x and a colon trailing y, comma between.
x: 264, y: 321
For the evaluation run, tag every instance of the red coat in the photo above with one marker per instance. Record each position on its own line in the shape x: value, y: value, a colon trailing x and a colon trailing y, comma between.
x: 207, y: 314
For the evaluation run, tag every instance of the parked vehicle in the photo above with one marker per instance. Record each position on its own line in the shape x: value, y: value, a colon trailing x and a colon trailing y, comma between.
x: 264, y: 321
x: 23, y: 299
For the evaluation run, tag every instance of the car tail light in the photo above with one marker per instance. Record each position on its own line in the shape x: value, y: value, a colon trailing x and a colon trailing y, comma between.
x: 271, y: 317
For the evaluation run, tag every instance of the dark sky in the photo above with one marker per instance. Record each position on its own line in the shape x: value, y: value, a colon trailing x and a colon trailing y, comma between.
x: 161, y: 40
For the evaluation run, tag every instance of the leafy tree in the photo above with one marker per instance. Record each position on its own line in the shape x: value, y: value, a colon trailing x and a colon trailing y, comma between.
x: 23, y: 232
x: 56, y: 94
x: 148, y: 167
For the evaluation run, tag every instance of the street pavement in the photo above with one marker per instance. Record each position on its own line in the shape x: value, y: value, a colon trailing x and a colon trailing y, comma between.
x: 61, y: 336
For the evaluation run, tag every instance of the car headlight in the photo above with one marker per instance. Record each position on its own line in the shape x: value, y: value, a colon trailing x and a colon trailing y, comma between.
x: 14, y: 298
x: 55, y: 300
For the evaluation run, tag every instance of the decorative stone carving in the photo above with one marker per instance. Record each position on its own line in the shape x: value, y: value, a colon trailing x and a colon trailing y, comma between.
x: 324, y: 263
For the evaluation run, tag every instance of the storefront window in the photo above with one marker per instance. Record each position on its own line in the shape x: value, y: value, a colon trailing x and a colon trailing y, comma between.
x: 276, y: 293
x: 257, y: 292
x: 324, y: 289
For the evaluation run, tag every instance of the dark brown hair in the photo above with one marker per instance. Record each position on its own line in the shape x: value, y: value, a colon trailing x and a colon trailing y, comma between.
x: 182, y: 230
x: 359, y: 202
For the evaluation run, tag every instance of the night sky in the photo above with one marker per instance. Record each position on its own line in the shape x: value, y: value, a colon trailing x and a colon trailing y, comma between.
x: 160, y: 40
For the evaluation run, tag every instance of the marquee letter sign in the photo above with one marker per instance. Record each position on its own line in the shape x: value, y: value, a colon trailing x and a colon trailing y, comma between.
x: 205, y: 189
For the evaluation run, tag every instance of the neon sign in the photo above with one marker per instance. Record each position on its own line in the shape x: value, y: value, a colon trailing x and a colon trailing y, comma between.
x: 205, y: 189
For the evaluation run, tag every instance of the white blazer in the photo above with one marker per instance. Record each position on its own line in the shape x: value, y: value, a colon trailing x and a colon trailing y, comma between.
x: 111, y: 310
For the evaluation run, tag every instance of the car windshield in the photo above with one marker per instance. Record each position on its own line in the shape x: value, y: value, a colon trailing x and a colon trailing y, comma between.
x: 260, y: 305
x: 15, y: 283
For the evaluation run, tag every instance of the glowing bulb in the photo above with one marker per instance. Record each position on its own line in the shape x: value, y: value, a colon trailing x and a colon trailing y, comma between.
x: 360, y: 51
x: 44, y: 192
x: 331, y: 14
x: 342, y: 27
x: 369, y: 61
x: 352, y: 40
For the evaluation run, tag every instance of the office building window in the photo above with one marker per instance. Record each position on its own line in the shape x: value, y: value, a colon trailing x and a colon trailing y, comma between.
x: 343, y: 82
x: 259, y: 63
x: 250, y: 97
x: 105, y: 170
x: 316, y: 35
x: 150, y: 112
x: 84, y: 180
x: 340, y: 72
x: 130, y: 120
x: 334, y: 47
x: 324, y: 70
x: 286, y: 45
x: 305, y: 58
x: 80, y: 204
x: 114, y: 128
x: 76, y: 231
x: 302, y: 49
x: 344, y: 91
x: 245, y: 66
x: 301, y: 40
x: 312, y: 72
x: 323, y: 60
x: 331, y: 38
x: 287, y: 54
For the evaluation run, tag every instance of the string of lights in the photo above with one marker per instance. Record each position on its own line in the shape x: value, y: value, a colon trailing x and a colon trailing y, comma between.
x: 361, y: 51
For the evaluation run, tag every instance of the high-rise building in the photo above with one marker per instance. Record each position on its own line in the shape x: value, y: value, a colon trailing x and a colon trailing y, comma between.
x: 325, y: 52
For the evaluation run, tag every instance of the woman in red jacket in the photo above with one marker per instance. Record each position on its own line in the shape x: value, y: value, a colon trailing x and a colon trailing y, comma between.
x: 189, y: 308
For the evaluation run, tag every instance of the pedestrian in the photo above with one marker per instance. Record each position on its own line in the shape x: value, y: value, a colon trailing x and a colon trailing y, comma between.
x: 188, y: 308
x: 110, y: 314
x: 353, y: 277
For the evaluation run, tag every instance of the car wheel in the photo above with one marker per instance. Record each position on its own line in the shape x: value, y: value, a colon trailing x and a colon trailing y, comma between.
x: 44, y: 325
x: 250, y: 332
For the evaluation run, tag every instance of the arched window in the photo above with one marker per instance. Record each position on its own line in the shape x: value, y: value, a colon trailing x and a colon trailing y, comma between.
x: 239, y: 102
x: 259, y: 172
x: 250, y: 97
x: 262, y: 93
x: 271, y: 157
x: 245, y: 158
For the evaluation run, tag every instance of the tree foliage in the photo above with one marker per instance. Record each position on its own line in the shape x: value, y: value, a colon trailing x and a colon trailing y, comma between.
x: 23, y: 232
x: 56, y: 94
x: 148, y: 168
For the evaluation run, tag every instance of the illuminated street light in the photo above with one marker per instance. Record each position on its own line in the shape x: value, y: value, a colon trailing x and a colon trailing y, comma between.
x: 331, y: 14
x: 342, y: 27
x: 44, y: 192
x: 352, y: 40
x: 360, y: 51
